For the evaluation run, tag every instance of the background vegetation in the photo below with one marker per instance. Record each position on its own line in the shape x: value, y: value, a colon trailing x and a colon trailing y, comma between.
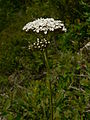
x: 23, y: 86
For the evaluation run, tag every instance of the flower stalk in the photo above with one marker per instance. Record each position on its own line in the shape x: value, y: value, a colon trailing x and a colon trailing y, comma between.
x: 50, y: 85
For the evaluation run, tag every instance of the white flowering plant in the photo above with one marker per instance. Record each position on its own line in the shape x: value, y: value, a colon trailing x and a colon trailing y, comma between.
x: 43, y: 27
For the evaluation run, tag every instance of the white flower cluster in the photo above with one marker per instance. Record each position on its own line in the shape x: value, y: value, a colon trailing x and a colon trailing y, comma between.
x: 44, y: 25
x: 39, y: 44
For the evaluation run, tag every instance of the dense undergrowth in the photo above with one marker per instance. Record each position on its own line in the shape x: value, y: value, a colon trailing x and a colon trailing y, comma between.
x: 24, y: 87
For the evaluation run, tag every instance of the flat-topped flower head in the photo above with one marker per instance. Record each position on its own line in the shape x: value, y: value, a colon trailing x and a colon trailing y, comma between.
x: 44, y: 25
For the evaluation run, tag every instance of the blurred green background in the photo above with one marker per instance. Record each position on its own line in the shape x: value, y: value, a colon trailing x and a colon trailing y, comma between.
x: 23, y: 87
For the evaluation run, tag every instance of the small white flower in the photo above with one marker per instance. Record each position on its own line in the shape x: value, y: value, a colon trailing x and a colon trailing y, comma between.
x: 41, y: 42
x: 45, y: 32
x: 38, y: 46
x: 37, y: 31
x: 64, y: 29
x: 37, y: 39
x: 34, y: 43
x: 56, y: 27
x: 48, y: 42
x: 35, y: 46
x: 42, y: 45
x: 52, y: 29
x: 29, y: 47
x: 61, y: 24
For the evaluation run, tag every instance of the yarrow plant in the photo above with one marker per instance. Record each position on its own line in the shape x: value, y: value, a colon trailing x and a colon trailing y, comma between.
x: 44, y: 26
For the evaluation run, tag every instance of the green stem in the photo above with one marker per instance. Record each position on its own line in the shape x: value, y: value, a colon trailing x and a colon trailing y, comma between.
x: 50, y: 85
